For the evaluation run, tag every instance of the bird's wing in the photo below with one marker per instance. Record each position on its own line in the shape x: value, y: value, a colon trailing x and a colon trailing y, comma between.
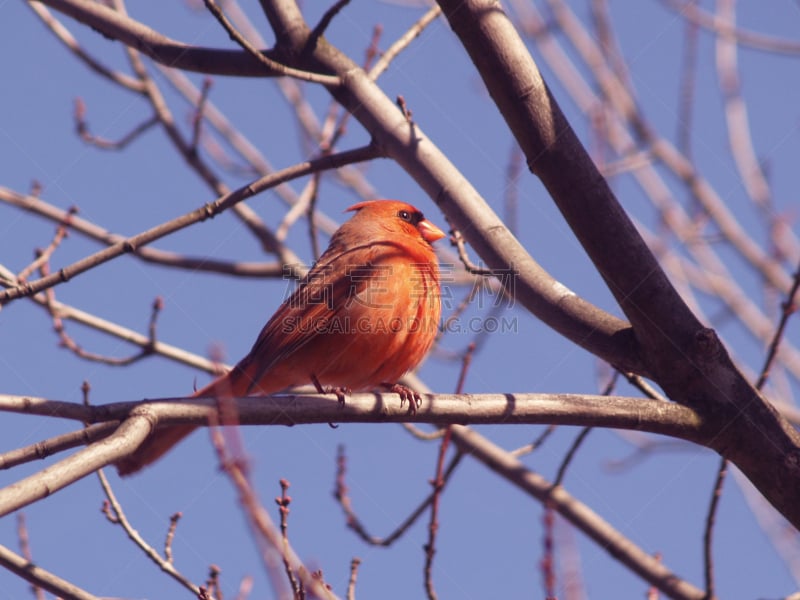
x: 324, y: 296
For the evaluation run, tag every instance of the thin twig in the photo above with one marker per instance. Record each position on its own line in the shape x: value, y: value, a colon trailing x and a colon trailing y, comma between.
x: 708, y: 558
x: 789, y: 307
x: 511, y: 196
x: 59, y: 443
x: 353, y: 522
x: 466, y: 362
x: 25, y: 548
x: 70, y: 344
x: 173, y: 526
x: 245, y: 587
x: 548, y: 562
x: 312, y: 222
x: 274, y: 66
x: 457, y: 240
x: 198, y: 114
x: 528, y: 448
x: 115, y: 514
x: 640, y: 384
x: 414, y: 31
x: 283, y: 502
x: 63, y: 34
x: 608, y: 42
x: 212, y: 587
x: 644, y: 449
x: 573, y: 449
x: 43, y: 256
x: 82, y: 129
x: 425, y: 436
x: 351, y: 584
x: 686, y: 90
x: 740, y: 139
x: 438, y: 484
x: 319, y: 29
x: 372, y: 49
x: 562, y: 469
x: 267, y: 537
x: 439, y: 481
x: 452, y: 318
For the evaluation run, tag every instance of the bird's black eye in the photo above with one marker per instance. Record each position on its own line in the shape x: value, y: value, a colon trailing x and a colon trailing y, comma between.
x: 410, y: 217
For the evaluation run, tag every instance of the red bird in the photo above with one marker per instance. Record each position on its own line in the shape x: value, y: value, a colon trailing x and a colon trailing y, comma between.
x: 366, y: 313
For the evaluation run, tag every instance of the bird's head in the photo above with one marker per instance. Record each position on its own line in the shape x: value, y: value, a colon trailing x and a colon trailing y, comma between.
x: 395, y: 217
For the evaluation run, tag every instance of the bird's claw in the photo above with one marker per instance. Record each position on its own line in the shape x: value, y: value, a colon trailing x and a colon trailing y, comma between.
x: 340, y: 391
x: 407, y: 395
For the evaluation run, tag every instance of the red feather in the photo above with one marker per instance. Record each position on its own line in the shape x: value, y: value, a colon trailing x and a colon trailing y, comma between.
x: 366, y: 313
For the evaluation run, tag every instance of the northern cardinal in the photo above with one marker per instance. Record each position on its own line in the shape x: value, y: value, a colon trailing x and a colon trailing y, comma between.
x: 366, y: 313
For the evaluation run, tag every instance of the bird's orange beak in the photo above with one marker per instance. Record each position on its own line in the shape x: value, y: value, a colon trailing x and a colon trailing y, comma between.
x: 430, y: 232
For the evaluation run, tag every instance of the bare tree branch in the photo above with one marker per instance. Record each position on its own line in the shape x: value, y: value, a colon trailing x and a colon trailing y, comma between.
x: 585, y: 324
x: 719, y: 25
x: 39, y: 576
x: 269, y: 64
x: 128, y: 436
x: 118, y: 26
x: 209, y: 210
x: 617, y: 412
x: 118, y: 517
x: 165, y: 258
x: 686, y: 359
x: 577, y: 513
x: 59, y: 443
x: 404, y: 41
x: 63, y: 34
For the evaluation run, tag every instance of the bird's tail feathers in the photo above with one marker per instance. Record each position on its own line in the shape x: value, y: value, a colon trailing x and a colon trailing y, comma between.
x: 231, y: 385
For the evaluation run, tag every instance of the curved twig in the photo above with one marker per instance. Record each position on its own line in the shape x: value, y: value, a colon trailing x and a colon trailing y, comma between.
x: 269, y: 64
x: 118, y: 517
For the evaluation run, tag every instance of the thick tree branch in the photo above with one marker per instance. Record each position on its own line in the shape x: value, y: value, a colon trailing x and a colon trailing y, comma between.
x: 122, y: 442
x: 688, y: 361
x: 619, y: 412
x: 117, y: 26
x: 139, y: 418
x: 583, y: 196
